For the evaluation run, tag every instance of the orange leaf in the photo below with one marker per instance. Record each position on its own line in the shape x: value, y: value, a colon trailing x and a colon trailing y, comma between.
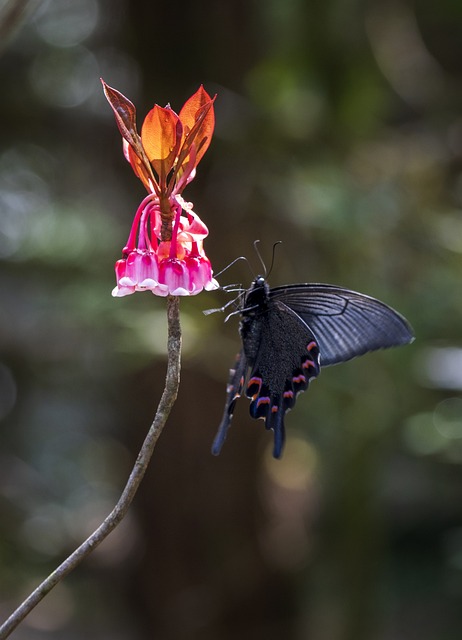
x: 140, y: 169
x: 198, y: 120
x: 161, y: 137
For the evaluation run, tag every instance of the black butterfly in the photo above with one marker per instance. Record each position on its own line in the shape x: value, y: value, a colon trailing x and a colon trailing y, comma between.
x: 288, y: 333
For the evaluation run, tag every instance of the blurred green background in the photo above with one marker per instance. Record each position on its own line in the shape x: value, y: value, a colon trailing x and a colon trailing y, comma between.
x: 339, y: 132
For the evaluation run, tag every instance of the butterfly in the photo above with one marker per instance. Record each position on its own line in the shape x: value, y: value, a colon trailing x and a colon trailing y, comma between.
x: 288, y: 333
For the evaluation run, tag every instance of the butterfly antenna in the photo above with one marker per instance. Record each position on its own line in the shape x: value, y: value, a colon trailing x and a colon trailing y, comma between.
x: 266, y: 272
x: 216, y: 275
x: 272, y: 258
x: 257, y: 251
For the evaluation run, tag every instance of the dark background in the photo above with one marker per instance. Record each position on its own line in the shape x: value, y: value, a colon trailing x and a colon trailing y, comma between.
x: 339, y: 132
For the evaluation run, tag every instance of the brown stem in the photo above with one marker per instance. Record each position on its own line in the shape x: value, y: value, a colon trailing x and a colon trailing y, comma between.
x: 167, y: 217
x: 167, y: 400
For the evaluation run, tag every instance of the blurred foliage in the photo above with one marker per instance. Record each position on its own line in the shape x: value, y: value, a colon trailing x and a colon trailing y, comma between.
x: 339, y: 132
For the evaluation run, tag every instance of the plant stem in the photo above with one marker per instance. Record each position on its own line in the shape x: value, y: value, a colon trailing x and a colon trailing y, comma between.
x: 120, y: 510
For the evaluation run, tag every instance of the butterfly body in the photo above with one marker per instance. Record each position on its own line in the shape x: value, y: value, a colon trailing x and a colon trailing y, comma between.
x: 288, y: 333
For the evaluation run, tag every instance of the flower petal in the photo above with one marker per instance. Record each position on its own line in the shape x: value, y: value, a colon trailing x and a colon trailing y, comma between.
x: 120, y: 292
x: 161, y: 290
x: 211, y: 285
x: 192, y: 229
x: 200, y: 274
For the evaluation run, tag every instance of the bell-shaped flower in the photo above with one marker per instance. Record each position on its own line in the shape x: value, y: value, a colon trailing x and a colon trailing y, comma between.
x: 164, y: 252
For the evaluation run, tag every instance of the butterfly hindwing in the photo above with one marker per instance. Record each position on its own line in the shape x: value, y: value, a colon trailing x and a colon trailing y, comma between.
x: 233, y: 392
x: 283, y: 357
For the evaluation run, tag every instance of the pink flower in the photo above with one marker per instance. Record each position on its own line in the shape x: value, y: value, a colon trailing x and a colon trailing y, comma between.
x: 164, y: 252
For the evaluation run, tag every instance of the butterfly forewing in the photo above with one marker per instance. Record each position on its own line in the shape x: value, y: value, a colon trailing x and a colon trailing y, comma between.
x: 345, y: 323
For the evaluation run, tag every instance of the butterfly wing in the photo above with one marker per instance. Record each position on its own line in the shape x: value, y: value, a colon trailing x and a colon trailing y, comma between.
x: 282, y: 357
x: 286, y: 330
x: 233, y: 392
x: 345, y: 323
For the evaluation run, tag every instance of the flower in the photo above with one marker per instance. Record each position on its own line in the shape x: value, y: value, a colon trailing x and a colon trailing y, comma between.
x: 164, y: 253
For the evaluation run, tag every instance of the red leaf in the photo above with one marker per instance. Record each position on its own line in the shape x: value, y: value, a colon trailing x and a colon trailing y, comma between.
x: 125, y: 115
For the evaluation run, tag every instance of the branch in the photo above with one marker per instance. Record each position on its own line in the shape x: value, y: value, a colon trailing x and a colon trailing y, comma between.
x: 120, y: 510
